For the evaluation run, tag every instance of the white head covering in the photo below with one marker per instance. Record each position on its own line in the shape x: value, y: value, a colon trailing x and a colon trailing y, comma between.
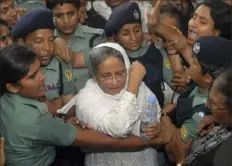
x: 93, y: 104
x: 126, y: 61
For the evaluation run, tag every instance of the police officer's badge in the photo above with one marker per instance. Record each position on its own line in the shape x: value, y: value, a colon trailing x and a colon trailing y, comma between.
x: 136, y: 14
x: 196, y: 48
x: 54, y: 20
x: 68, y: 74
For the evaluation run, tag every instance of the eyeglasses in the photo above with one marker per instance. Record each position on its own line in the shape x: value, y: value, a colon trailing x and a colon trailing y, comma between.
x: 210, y: 105
x: 118, y: 78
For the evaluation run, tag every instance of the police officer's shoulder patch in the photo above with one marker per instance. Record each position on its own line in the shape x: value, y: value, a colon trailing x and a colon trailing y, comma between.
x: 167, y: 63
x: 184, y: 132
x: 91, y: 30
x: 68, y: 74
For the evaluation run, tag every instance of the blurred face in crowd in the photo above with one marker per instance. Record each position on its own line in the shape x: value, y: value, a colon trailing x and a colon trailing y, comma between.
x: 114, y: 3
x: 169, y: 20
x: 216, y: 103
x: 130, y: 36
x: 111, y: 75
x: 82, y: 13
x: 180, y: 5
x: 5, y: 39
x: 42, y: 41
x: 32, y: 85
x: 201, y: 24
x: 7, y: 12
x: 66, y: 16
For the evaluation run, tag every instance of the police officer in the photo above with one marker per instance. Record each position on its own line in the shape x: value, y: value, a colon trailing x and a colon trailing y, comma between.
x: 36, y: 29
x: 79, y: 37
x: 30, y: 5
x: 208, y: 63
x: 125, y: 25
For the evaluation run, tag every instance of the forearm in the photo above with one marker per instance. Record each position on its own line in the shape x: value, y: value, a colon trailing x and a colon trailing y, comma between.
x: 93, y: 139
x: 171, y: 34
x: 54, y: 105
x: 175, y: 61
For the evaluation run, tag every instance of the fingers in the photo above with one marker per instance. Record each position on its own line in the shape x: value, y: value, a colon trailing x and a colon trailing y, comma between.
x: 85, y: 126
x: 76, y: 122
x: 152, y: 134
x: 152, y: 130
x: 2, y: 144
x: 180, y: 79
x: 171, y: 43
x: 152, y: 127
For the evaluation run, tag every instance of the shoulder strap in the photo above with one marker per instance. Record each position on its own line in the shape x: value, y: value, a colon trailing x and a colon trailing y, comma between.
x: 91, y: 41
x: 61, y: 79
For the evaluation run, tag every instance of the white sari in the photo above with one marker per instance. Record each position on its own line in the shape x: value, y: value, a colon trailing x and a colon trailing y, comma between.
x: 117, y: 116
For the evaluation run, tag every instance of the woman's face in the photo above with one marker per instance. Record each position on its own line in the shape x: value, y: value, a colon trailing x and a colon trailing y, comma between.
x: 195, y: 72
x: 201, y: 24
x: 217, y: 105
x: 130, y: 36
x: 111, y: 75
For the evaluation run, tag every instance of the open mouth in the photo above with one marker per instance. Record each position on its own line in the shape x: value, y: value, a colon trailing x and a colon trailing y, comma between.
x: 192, y: 35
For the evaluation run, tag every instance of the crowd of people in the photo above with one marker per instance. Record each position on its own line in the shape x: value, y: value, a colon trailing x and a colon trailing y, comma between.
x: 76, y: 75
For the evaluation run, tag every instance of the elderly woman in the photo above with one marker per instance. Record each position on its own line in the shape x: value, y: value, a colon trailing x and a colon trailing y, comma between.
x: 113, y: 101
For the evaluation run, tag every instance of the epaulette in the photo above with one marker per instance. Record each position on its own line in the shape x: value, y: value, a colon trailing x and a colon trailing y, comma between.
x: 87, y: 29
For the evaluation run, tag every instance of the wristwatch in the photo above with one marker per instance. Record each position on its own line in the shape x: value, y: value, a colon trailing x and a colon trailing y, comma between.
x: 164, y: 114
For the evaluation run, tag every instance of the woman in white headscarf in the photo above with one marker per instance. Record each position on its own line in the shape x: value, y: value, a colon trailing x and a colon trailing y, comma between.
x: 112, y: 102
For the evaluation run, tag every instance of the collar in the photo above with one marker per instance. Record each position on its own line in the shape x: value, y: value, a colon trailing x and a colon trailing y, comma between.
x: 140, y: 52
x: 27, y: 101
x: 79, y: 32
x: 52, y: 65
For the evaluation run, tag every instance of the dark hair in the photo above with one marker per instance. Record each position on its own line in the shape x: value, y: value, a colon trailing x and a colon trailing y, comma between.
x: 50, y: 4
x: 212, y: 70
x: 172, y: 12
x: 221, y: 15
x: 15, y: 61
x: 3, y: 22
x: 224, y: 85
